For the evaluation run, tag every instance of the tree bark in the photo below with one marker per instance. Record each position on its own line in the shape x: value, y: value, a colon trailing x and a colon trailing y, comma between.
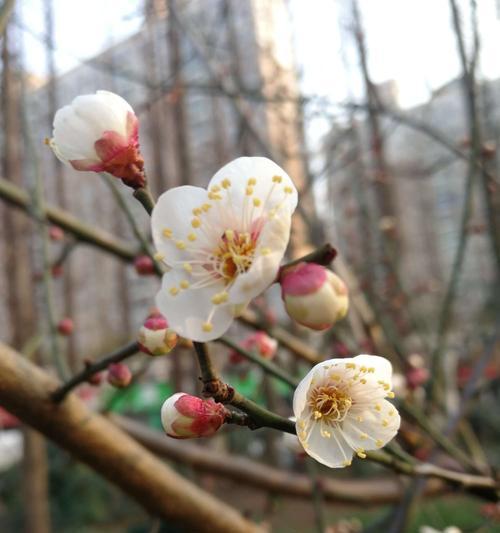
x: 25, y: 391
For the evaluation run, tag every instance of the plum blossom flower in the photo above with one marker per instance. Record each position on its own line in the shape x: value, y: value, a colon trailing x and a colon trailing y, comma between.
x: 186, y: 417
x: 100, y: 133
x: 313, y: 295
x: 341, y: 409
x: 223, y: 245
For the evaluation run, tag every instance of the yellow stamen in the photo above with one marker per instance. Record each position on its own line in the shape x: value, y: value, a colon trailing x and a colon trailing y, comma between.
x: 167, y: 233
x: 181, y: 245
x: 187, y: 267
x: 249, y: 191
x: 173, y: 291
x: 277, y: 179
x: 226, y: 183
x: 256, y: 202
x: 184, y: 284
x: 197, y: 211
x: 207, y: 327
x: 196, y: 222
x: 158, y: 256
x: 251, y: 182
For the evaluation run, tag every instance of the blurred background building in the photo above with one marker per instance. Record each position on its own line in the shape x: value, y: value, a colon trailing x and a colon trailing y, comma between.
x: 203, y: 98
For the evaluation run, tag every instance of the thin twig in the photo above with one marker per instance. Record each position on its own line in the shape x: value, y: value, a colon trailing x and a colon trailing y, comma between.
x: 266, y: 365
x: 115, y: 357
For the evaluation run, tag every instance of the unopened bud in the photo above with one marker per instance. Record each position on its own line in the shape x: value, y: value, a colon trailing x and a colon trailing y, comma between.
x: 416, y: 377
x: 314, y: 296
x: 56, y: 233
x: 258, y: 342
x: 65, y: 326
x: 187, y: 417
x: 119, y: 375
x: 57, y: 271
x: 100, y: 133
x: 95, y: 379
x: 155, y: 337
x: 144, y: 265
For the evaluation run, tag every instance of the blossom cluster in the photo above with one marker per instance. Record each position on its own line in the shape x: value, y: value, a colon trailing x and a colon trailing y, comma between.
x: 221, y: 247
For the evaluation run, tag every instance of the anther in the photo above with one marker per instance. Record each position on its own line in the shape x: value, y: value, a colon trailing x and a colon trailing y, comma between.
x: 249, y: 191
x: 191, y: 237
x: 167, y: 233
x: 226, y: 183
x: 158, y: 256
x: 187, y: 267
x: 251, y: 182
x: 184, y: 284
x: 207, y: 327
x: 181, y: 245
x: 256, y: 202
x: 196, y: 222
x: 173, y: 291
x: 277, y: 179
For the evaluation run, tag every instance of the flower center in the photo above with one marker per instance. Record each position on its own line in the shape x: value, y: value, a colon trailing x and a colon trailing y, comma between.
x: 329, y: 403
x: 234, y: 254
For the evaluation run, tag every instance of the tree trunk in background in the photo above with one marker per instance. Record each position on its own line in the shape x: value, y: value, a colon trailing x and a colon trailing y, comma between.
x: 56, y: 169
x: 20, y: 288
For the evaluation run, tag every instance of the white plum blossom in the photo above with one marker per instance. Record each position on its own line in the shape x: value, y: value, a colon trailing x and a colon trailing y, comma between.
x: 341, y: 409
x: 99, y: 133
x: 224, y: 245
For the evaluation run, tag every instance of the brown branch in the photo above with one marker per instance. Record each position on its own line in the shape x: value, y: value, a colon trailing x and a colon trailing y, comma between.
x: 25, y: 390
x: 92, y: 368
x: 221, y: 392
x: 243, y: 470
x: 83, y: 232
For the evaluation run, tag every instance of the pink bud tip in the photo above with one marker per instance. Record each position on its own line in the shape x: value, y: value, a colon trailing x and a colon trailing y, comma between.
x: 57, y: 271
x: 56, y: 233
x: 155, y: 337
x: 95, y: 379
x: 185, y: 417
x: 144, y: 265
x: 304, y: 278
x: 65, y: 326
x: 119, y: 375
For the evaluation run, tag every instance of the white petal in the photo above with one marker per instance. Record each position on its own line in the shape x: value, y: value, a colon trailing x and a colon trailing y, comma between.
x: 270, y: 249
x: 169, y: 412
x: 382, y: 366
x: 333, y: 451
x: 73, y: 136
x: 370, y: 429
x: 319, y: 372
x: 189, y: 309
x: 102, y: 113
x: 173, y: 211
x: 240, y: 170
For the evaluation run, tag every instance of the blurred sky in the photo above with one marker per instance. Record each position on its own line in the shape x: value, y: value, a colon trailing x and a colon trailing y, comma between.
x: 408, y: 40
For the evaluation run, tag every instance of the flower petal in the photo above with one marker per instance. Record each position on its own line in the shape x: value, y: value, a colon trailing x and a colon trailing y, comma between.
x: 370, y: 428
x: 262, y: 170
x: 332, y: 451
x: 271, y: 247
x: 173, y: 213
x: 382, y: 366
x: 189, y: 309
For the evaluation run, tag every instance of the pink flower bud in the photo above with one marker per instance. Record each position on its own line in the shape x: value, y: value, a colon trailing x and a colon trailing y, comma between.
x: 56, y: 233
x: 314, y: 296
x: 57, y: 271
x: 65, y: 326
x: 258, y: 342
x: 95, y: 379
x: 100, y: 133
x: 144, y: 265
x: 187, y: 417
x: 416, y: 377
x: 155, y: 337
x: 119, y: 375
